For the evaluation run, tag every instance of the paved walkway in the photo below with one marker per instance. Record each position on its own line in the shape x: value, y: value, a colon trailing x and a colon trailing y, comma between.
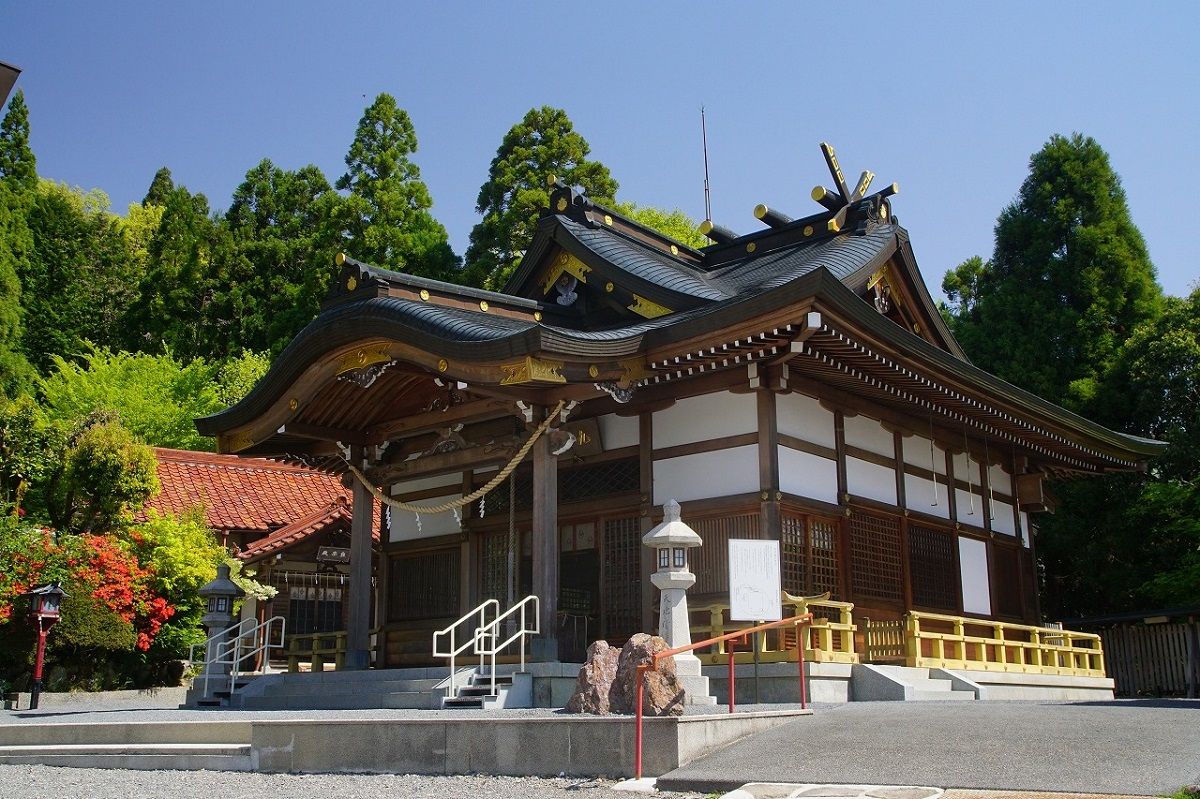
x: 1138, y: 747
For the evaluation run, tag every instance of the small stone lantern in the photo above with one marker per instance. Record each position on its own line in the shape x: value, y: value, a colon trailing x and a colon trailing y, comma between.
x: 671, y: 541
x: 45, y: 609
x: 221, y: 594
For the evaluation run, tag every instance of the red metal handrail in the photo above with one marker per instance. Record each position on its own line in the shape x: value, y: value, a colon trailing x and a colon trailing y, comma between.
x: 741, y: 635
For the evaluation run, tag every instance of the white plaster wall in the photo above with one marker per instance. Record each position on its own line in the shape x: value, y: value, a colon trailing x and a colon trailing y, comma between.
x: 1000, y: 480
x: 1003, y: 521
x: 916, y: 452
x: 453, y: 479
x: 807, y: 475
x: 866, y: 479
x: 618, y: 431
x: 803, y: 417
x: 919, y: 496
x: 868, y: 434
x: 706, y: 475
x: 976, y: 591
x: 967, y: 503
x: 707, y: 417
x: 404, y: 523
x: 1025, y: 527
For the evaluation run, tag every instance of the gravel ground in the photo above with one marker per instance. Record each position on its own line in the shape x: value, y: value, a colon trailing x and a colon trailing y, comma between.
x: 46, y: 782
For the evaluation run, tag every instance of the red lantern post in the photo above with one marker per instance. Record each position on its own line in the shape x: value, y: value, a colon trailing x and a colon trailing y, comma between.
x: 45, y: 609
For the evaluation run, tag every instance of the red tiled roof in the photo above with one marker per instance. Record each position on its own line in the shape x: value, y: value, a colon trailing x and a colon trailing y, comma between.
x: 300, y: 529
x: 250, y: 494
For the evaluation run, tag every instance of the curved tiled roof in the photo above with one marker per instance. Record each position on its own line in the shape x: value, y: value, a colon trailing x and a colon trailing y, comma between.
x: 244, y: 494
x: 339, y: 511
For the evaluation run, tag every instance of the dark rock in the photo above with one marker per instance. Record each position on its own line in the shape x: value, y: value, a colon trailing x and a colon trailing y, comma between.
x: 663, y: 695
x: 595, y: 680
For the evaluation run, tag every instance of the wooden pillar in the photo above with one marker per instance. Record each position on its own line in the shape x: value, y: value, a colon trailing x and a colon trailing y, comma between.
x: 648, y: 563
x: 545, y: 547
x: 358, y: 627
x: 769, y: 519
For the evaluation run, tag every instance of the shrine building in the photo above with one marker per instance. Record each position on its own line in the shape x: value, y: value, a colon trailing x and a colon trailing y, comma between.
x: 794, y: 383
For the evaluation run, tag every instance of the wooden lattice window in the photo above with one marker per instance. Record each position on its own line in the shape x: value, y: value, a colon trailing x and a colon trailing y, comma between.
x: 423, y: 585
x: 622, y: 579
x: 931, y: 566
x: 875, y: 571
x: 493, y: 566
x: 1006, y: 580
x: 810, y: 558
x: 599, y: 480
x: 710, y: 563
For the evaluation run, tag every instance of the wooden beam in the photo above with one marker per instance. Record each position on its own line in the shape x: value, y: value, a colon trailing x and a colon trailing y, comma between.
x: 768, y: 467
x: 437, y: 464
x: 545, y: 548
x: 320, y: 433
x: 421, y: 422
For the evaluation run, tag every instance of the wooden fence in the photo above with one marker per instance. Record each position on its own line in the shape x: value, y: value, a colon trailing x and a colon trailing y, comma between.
x: 1154, y: 659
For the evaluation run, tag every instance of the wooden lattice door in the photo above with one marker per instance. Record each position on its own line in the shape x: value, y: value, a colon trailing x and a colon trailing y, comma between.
x: 622, y: 602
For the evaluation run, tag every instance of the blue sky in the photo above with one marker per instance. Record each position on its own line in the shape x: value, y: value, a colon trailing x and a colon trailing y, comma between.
x: 947, y: 99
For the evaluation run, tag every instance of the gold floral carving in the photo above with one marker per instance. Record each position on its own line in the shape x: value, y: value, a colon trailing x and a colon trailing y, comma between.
x: 530, y: 370
x: 635, y: 369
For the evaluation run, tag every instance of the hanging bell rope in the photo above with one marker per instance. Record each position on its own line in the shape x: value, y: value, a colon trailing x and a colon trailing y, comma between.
x: 474, y: 495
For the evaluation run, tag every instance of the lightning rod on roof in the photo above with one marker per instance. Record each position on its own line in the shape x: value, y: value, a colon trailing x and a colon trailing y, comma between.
x: 707, y: 194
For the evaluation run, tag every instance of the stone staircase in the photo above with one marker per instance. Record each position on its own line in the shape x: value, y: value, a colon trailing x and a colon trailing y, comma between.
x: 410, y: 689
x: 223, y: 746
x: 477, y: 693
x: 879, y: 682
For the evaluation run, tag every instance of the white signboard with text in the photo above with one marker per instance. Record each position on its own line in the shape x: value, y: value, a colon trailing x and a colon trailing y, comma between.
x: 754, y: 591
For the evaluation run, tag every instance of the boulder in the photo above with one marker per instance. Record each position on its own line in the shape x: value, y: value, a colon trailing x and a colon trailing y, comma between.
x: 595, y: 680
x: 663, y: 695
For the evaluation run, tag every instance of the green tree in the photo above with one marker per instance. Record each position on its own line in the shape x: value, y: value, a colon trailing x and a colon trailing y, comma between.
x: 156, y: 396
x: 238, y: 375
x: 542, y: 144
x: 176, y: 287
x: 270, y: 279
x: 105, y: 475
x: 160, y: 189
x: 16, y: 244
x: 30, y: 450
x: 80, y: 268
x: 18, y: 166
x: 1070, y: 278
x: 674, y: 224
x: 386, y: 214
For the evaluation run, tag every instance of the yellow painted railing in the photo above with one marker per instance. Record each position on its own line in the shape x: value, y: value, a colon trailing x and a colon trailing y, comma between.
x: 953, y: 642
x: 321, y: 649
x: 830, y: 639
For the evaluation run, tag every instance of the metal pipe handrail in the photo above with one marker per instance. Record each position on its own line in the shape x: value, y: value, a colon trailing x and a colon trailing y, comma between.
x: 742, y: 635
x: 491, y: 631
x: 229, y: 650
x: 451, y: 631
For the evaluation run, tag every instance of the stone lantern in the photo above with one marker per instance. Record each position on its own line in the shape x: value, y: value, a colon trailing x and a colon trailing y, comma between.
x: 671, y: 541
x: 221, y: 594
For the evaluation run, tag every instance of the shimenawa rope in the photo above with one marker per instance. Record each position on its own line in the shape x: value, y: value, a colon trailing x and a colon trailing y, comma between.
x: 474, y: 495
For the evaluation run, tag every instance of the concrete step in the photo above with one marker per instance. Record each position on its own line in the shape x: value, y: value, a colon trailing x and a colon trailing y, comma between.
x: 133, y: 733
x: 459, y: 702
x: 362, y: 700
x: 293, y: 688
x: 181, y: 757
x: 920, y: 695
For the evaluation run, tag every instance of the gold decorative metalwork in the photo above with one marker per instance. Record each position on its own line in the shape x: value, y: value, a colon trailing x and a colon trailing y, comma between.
x: 808, y: 230
x: 565, y: 263
x: 537, y: 316
x: 351, y: 283
x: 634, y: 368
x: 593, y: 371
x: 607, y: 219
x: 562, y: 204
x: 483, y: 305
x: 751, y: 247
x: 293, y: 404
x: 443, y: 364
x: 363, y: 356
x: 425, y: 294
x: 340, y: 258
x: 650, y: 310
x: 674, y: 250
x: 240, y: 441
x: 609, y: 287
x: 530, y: 370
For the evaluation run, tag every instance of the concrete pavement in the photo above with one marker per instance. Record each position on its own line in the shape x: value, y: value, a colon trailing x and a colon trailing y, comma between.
x: 1134, y: 747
